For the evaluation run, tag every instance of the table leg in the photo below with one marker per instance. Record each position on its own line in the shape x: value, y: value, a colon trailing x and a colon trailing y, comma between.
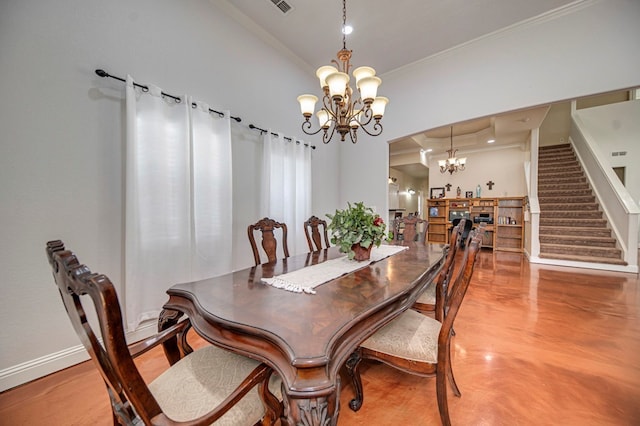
x: 319, y: 411
x: 177, y: 347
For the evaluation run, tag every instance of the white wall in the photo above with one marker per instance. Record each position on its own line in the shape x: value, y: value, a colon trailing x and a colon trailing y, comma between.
x: 501, y: 166
x: 616, y: 128
x: 590, y: 48
x: 61, y: 155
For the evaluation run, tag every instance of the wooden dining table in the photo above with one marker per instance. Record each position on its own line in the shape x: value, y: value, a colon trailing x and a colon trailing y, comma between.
x: 305, y: 338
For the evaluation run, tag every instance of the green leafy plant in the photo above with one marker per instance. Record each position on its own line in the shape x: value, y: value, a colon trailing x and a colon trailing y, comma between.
x: 357, y: 224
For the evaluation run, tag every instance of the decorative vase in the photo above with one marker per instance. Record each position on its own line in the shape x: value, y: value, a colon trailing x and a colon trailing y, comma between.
x: 362, y: 253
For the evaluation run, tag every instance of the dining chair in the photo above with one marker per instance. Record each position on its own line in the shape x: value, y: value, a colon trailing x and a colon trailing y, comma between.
x: 468, y: 225
x: 432, y: 299
x: 205, y: 386
x: 406, y: 229
x: 417, y: 344
x: 266, y: 227
x: 312, y: 228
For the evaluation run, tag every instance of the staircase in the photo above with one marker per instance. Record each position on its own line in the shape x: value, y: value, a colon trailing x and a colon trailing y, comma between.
x: 572, y: 226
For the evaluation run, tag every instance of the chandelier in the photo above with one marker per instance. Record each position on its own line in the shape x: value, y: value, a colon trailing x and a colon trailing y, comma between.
x: 340, y: 111
x: 452, y: 164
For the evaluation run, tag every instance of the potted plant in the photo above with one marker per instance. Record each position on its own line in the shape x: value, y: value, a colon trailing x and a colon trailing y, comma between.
x: 356, y: 229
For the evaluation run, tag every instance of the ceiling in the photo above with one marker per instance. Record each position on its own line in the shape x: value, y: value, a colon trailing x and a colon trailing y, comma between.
x: 386, y: 34
x: 391, y: 34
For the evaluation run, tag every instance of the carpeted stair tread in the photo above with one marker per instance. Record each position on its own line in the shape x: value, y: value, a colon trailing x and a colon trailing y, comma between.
x: 578, y: 240
x: 564, y: 187
x: 572, y: 199
x: 570, y: 207
x: 550, y: 148
x: 577, y: 258
x: 596, y: 231
x: 581, y: 250
x: 553, y: 192
x: 555, y: 169
x: 571, y: 183
x: 577, y: 214
x: 573, y: 222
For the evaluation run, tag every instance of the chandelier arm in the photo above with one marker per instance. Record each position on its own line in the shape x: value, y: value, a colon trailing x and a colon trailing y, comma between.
x: 377, y: 129
x: 366, y: 117
x: 353, y: 134
x: 326, y: 137
x: 307, y: 125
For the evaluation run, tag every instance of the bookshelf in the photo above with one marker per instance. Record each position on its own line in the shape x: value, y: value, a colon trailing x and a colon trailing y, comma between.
x: 438, y: 221
x: 503, y: 218
x: 509, y: 224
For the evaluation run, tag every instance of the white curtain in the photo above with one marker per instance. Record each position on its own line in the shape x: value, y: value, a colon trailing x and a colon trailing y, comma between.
x: 178, y: 198
x: 286, y: 186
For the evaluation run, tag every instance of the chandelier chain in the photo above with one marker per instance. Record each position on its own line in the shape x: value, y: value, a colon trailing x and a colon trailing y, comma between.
x: 344, y: 24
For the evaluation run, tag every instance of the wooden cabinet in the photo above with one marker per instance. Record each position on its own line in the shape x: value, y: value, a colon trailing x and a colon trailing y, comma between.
x: 438, y: 221
x: 509, y: 225
x: 503, y: 218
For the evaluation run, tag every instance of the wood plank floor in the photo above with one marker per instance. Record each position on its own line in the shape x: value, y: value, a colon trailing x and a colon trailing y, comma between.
x: 535, y: 345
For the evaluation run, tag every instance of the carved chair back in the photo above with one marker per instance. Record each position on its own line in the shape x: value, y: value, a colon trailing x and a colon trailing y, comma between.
x: 312, y: 230
x: 132, y: 400
x: 127, y: 389
x: 410, y: 228
x: 266, y: 227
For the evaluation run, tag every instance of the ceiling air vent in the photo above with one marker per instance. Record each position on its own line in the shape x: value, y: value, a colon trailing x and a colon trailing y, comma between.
x: 282, y: 5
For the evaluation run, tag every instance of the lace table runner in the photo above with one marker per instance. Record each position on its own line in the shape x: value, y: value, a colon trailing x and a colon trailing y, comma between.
x: 306, y: 279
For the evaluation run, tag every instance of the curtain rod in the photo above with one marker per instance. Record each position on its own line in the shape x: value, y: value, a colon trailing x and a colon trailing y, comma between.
x: 103, y: 73
x: 251, y: 126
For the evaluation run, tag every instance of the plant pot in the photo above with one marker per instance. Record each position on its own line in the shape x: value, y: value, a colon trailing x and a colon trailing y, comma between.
x: 362, y: 253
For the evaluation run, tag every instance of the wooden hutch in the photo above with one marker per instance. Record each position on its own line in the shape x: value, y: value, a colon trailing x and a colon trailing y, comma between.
x: 504, y: 218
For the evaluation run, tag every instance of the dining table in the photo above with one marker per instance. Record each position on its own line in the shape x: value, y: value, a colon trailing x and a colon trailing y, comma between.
x: 305, y: 337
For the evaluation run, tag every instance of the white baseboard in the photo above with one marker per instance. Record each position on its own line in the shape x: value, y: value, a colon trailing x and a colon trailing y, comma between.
x: 27, y: 371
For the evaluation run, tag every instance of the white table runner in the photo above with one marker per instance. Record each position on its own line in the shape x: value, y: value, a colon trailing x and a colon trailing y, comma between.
x: 306, y: 279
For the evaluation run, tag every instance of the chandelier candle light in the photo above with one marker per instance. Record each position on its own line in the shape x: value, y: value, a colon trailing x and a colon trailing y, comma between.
x: 452, y: 164
x: 340, y: 111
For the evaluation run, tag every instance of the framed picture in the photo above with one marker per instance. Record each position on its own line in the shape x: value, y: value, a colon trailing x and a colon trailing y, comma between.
x: 436, y: 193
x: 468, y: 194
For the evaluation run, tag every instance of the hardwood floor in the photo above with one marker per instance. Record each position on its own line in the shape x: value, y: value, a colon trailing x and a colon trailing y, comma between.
x: 535, y: 345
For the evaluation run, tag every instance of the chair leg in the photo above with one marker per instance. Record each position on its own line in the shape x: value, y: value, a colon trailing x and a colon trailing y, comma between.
x: 441, y: 391
x: 274, y: 409
x: 353, y: 364
x: 451, y: 378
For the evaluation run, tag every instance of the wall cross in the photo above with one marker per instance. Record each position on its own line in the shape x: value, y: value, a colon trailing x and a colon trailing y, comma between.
x: 490, y: 184
x: 448, y: 187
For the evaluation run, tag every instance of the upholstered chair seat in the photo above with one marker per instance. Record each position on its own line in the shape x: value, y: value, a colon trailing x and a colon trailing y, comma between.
x: 412, y: 336
x: 428, y: 297
x: 203, y: 380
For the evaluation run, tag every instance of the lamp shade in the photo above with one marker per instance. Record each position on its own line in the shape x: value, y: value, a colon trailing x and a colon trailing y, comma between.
x: 362, y: 72
x: 307, y: 104
x: 323, y: 118
x: 369, y: 88
x: 378, y: 106
x: 462, y: 161
x: 337, y: 82
x: 323, y: 72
